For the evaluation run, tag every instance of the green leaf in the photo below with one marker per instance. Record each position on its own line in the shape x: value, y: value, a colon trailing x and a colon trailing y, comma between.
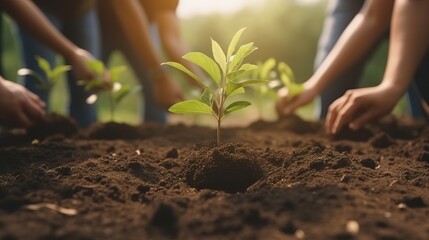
x: 286, y: 74
x: 116, y: 72
x: 232, y: 86
x: 93, y: 83
x: 96, y: 66
x: 206, y: 63
x: 238, y: 58
x: 219, y: 55
x: 44, y: 65
x: 190, y: 107
x: 235, y: 74
x: 245, y: 68
x: 294, y: 89
x: 206, y: 97
x: 235, y: 106
x: 288, y: 79
x: 237, y: 91
x: 266, y: 68
x: 248, y: 67
x: 233, y: 43
x: 57, y: 72
x: 121, y: 93
x: 185, y: 70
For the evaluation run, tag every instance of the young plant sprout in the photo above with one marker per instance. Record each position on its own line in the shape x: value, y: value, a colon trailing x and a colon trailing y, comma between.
x: 288, y: 79
x: 225, y: 71
x: 265, y: 91
x: 53, y: 75
x: 117, y: 93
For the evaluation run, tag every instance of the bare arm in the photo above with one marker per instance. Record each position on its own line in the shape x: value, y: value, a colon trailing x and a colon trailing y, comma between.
x: 29, y: 17
x: 135, y: 25
x: 408, y: 43
x: 169, y: 30
x: 368, y: 26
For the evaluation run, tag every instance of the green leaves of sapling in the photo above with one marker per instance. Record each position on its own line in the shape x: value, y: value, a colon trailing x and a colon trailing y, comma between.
x: 117, y: 93
x: 288, y: 79
x: 190, y: 107
x: 225, y: 72
x: 53, y: 74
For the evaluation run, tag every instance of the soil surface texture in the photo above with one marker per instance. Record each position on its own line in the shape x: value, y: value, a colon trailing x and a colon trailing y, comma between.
x: 280, y: 180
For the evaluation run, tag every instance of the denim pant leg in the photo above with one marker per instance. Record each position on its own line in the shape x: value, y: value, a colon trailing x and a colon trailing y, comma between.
x: 340, y: 14
x: 84, y: 32
x: 152, y: 111
x: 421, y: 79
x: 30, y: 49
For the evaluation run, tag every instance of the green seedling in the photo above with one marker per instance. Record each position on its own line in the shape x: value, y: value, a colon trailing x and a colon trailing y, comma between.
x: 53, y: 74
x: 224, y: 71
x: 288, y: 79
x: 116, y: 93
x: 266, y: 70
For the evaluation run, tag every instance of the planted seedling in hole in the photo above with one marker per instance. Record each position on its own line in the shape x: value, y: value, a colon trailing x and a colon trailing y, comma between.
x: 53, y: 74
x: 224, y: 71
x: 116, y: 93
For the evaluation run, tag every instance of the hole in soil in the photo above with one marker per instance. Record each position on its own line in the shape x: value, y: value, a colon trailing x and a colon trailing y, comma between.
x: 230, y: 167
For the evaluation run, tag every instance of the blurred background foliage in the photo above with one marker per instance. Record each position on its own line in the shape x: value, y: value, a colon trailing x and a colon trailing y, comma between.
x: 287, y: 30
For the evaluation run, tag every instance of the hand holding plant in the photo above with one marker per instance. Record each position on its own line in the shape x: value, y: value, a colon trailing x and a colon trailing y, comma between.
x: 225, y: 71
x: 293, y: 95
x: 116, y: 93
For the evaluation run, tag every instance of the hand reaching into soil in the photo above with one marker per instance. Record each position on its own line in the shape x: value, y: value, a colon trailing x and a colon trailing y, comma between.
x: 287, y: 105
x: 77, y: 60
x: 18, y: 106
x: 359, y: 106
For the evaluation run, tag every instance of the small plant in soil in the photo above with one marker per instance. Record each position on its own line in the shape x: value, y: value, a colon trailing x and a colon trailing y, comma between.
x: 53, y: 75
x: 225, y: 72
x: 116, y: 93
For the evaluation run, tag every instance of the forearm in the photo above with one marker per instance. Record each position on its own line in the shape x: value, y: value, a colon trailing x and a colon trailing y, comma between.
x: 27, y: 15
x: 362, y: 34
x: 174, y: 46
x: 408, y: 43
x: 134, y: 23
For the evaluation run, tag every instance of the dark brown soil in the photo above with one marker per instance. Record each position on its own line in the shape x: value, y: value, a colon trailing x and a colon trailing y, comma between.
x: 281, y: 180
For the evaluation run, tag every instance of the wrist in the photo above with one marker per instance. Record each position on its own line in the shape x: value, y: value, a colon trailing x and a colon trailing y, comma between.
x: 396, y: 90
x: 314, y: 86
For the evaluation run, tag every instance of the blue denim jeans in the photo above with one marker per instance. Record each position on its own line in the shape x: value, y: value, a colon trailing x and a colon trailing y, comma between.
x: 340, y: 14
x: 82, y: 31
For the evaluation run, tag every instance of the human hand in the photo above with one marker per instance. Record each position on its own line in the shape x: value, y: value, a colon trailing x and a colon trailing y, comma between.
x: 78, y: 62
x: 166, y: 91
x: 359, y: 106
x: 288, y: 104
x: 18, y: 106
